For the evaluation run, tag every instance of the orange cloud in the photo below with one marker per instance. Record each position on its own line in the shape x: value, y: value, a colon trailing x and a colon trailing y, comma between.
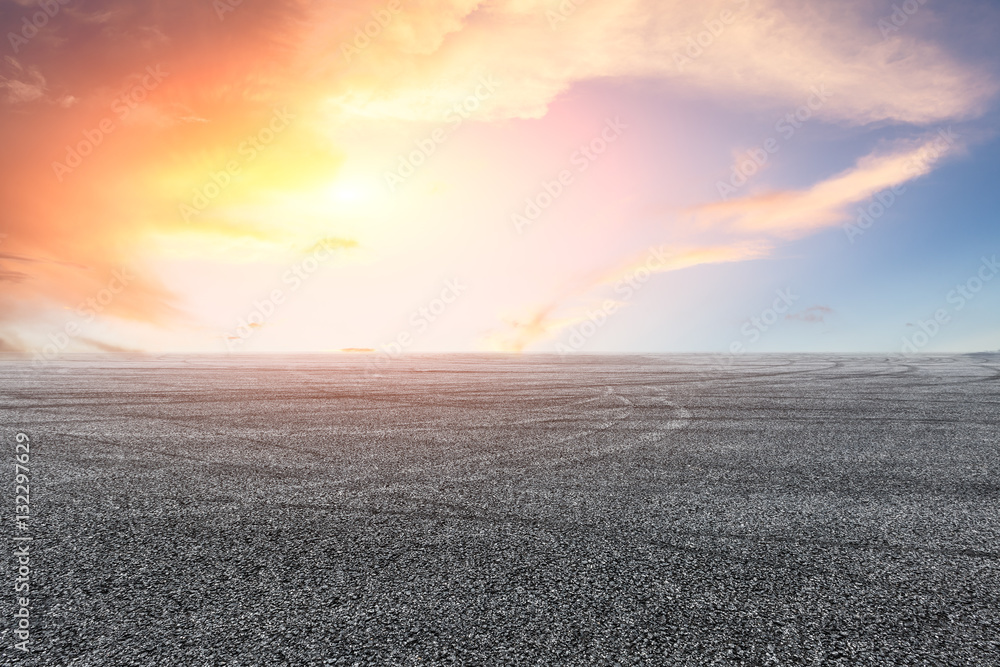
x: 114, y: 115
x: 571, y: 305
x: 790, y: 214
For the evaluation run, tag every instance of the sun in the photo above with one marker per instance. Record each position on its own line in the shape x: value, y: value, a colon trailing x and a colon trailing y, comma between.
x: 352, y: 193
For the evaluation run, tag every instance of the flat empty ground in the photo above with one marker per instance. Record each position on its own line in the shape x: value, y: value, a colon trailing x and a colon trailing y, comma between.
x: 509, y: 510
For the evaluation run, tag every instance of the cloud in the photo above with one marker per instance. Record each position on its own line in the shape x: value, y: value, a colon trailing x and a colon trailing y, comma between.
x: 572, y: 304
x: 20, y: 84
x: 519, y: 333
x: 767, y: 52
x: 12, y: 276
x: 36, y: 260
x: 120, y: 204
x: 812, y: 315
x: 426, y: 57
x: 663, y: 259
x: 794, y: 213
x: 330, y: 243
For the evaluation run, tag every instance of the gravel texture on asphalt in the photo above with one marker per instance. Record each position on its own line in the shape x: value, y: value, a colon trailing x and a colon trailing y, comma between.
x: 495, y: 510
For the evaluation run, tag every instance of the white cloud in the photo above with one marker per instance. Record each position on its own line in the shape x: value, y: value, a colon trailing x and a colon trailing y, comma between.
x: 765, y: 52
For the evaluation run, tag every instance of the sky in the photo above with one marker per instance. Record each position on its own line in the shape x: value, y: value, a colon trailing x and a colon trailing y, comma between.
x: 572, y: 176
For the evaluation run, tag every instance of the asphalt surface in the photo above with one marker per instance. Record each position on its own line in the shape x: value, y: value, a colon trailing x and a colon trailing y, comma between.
x: 483, y: 510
